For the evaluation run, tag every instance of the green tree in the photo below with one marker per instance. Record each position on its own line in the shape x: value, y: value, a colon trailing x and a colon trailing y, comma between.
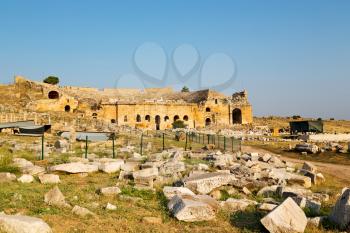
x: 185, y: 89
x: 52, y: 80
x: 179, y: 124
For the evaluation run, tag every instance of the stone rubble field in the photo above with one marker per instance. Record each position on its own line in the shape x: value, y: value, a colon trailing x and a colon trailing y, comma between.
x: 195, y: 187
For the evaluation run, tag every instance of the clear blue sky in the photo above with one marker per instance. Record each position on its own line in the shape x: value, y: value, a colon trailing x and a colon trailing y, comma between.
x: 293, y: 56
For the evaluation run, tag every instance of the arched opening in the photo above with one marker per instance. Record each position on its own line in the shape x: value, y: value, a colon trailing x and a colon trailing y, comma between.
x: 125, y: 118
x: 176, y: 117
x: 185, y: 118
x: 157, y: 120
x: 94, y: 115
x: 148, y: 118
x: 236, y: 116
x: 216, y: 101
x: 67, y: 108
x: 113, y: 121
x: 207, y: 122
x: 53, y: 95
x: 166, y: 118
x: 207, y: 109
x: 138, y: 118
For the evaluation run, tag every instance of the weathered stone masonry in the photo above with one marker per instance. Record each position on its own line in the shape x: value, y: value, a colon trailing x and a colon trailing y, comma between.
x: 155, y: 108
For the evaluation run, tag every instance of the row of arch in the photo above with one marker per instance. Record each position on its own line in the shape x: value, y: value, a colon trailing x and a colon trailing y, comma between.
x: 157, y: 118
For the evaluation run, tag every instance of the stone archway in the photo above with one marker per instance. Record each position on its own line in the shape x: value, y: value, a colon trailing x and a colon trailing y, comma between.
x: 53, y: 95
x: 207, y: 122
x: 176, y: 117
x: 138, y: 118
x: 67, y: 108
x: 236, y: 116
x: 157, y: 121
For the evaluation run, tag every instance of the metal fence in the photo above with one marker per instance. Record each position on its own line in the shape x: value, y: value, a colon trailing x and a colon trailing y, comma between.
x: 162, y: 140
x: 189, y: 140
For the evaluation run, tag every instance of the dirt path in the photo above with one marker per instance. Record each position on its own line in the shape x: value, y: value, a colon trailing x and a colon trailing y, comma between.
x: 341, y: 172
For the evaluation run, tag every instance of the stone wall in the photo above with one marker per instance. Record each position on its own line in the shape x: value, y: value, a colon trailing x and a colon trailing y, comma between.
x: 123, y: 106
x: 327, y: 138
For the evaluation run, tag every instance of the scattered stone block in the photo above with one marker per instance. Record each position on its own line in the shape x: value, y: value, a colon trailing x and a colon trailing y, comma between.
x: 145, y: 174
x: 266, y: 158
x: 172, y: 167
x: 254, y: 156
x: 49, y: 179
x: 170, y: 192
x: 109, y: 206
x: 130, y: 166
x: 190, y: 210
x: 111, y: 167
x: 26, y: 179
x: 307, y: 166
x: 311, y: 205
x: 110, y: 191
x: 21, y: 163
x: 205, y: 183
x: 23, y: 224
x: 286, y: 192
x: 81, y: 211
x: 56, y: 198
x: 268, y: 191
x: 320, y: 178
x: 33, y: 170
x: 246, y: 191
x: 267, y: 207
x: 74, y: 168
x: 341, y: 211
x: 287, y: 217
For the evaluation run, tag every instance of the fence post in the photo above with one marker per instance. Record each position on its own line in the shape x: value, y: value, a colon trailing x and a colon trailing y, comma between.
x: 86, y: 146
x: 42, y: 147
x: 113, y: 138
x: 208, y: 139
x: 141, y: 143
x: 163, y: 142
x: 224, y: 143
x: 186, y: 143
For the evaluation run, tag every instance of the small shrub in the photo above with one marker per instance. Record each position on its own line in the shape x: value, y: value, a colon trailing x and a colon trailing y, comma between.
x: 132, y: 192
x: 179, y: 124
x: 5, y: 159
x: 185, y: 89
x: 9, y: 168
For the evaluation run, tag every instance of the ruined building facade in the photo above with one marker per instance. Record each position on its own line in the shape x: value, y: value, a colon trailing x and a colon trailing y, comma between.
x: 153, y: 108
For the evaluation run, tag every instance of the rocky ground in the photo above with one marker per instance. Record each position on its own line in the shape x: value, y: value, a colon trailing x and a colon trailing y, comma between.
x: 169, y: 191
